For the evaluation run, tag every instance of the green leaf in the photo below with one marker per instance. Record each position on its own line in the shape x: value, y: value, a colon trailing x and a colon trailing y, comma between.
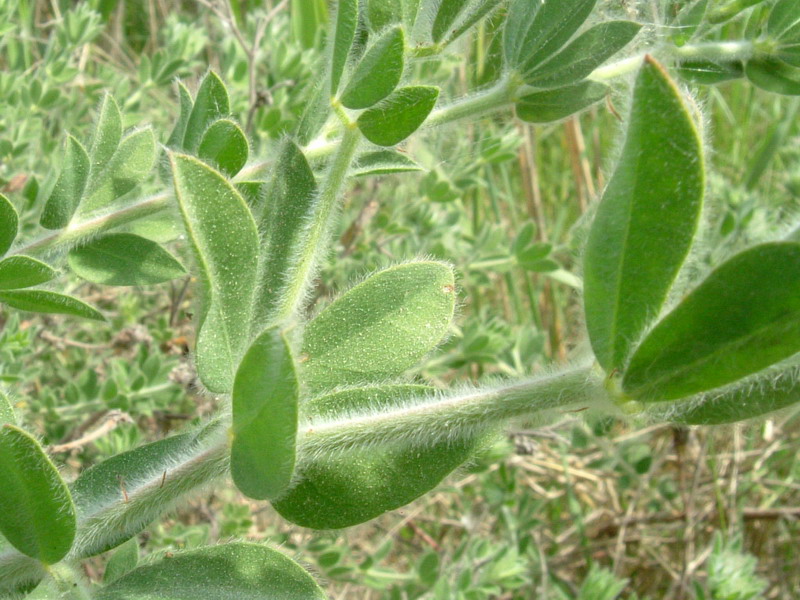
x: 378, y: 72
x: 383, y: 162
x: 773, y: 75
x: 446, y: 15
x: 353, y: 487
x: 560, y: 103
x: 225, y: 146
x: 784, y: 17
x: 210, y: 104
x: 774, y: 390
x: 398, y: 116
x: 344, y: 34
x: 743, y: 318
x: 541, y: 28
x: 265, y: 395
x: 43, y: 301
x: 37, y: 515
x: 107, y: 135
x: 307, y: 18
x: 474, y: 13
x: 131, y: 163
x: 123, y: 561
x: 381, y: 327
x: 7, y: 413
x: 584, y: 54
x: 688, y: 20
x: 68, y: 191
x: 23, y: 271
x: 238, y: 570
x: 225, y: 243
x: 124, y: 259
x: 291, y: 198
x: 314, y: 115
x: 9, y: 221
x: 383, y: 13
x: 646, y: 220
x: 175, y: 140
x: 100, y: 486
x: 709, y: 73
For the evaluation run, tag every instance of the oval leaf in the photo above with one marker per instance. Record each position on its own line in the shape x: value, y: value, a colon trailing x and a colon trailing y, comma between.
x: 68, y: 191
x: 560, y: 103
x: 9, y: 221
x: 398, y: 116
x: 383, y: 162
x: 124, y: 259
x: 210, y: 104
x: 107, y: 135
x: 225, y: 243
x: 752, y: 398
x: 43, y: 301
x: 7, y: 413
x: 131, y: 163
x: 784, y: 17
x: 381, y: 327
x: 646, y: 220
x: 535, y: 30
x: 224, y: 145
x: 37, y: 515
x: 584, y: 54
x: 744, y: 317
x: 773, y: 75
x: 378, y: 72
x: 186, y: 103
x: 239, y: 570
x: 344, y: 34
x: 265, y: 394
x: 23, y: 271
x: 446, y: 15
x: 123, y: 561
x: 291, y: 198
x: 356, y: 486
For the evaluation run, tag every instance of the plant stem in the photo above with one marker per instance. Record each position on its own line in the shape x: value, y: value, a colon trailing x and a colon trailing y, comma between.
x: 489, y: 100
x: 321, y: 223
x: 453, y: 416
x: 75, y: 232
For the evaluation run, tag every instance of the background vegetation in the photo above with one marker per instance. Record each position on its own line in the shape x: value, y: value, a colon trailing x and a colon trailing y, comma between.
x: 595, y: 509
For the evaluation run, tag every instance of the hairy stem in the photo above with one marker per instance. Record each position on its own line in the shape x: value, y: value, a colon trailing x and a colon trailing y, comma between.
x: 453, y: 415
x: 321, y: 222
x: 76, y: 232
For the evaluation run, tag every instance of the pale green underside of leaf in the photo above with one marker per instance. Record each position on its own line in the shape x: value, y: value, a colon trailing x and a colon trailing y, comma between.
x: 344, y: 33
x: 124, y: 560
x: 124, y: 259
x: 646, y: 220
x: 225, y: 243
x: 7, y: 414
x: 395, y: 118
x: 559, y: 103
x: 584, y: 54
x: 130, y: 164
x: 291, y: 199
x: 44, y: 301
x: 107, y: 135
x: 68, y: 191
x: 235, y: 571
x: 381, y: 327
x: 744, y: 317
x: 9, y: 221
x: 378, y: 72
x: 265, y: 396
x: 356, y: 486
x: 383, y: 162
x: 37, y: 515
x: 23, y: 271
